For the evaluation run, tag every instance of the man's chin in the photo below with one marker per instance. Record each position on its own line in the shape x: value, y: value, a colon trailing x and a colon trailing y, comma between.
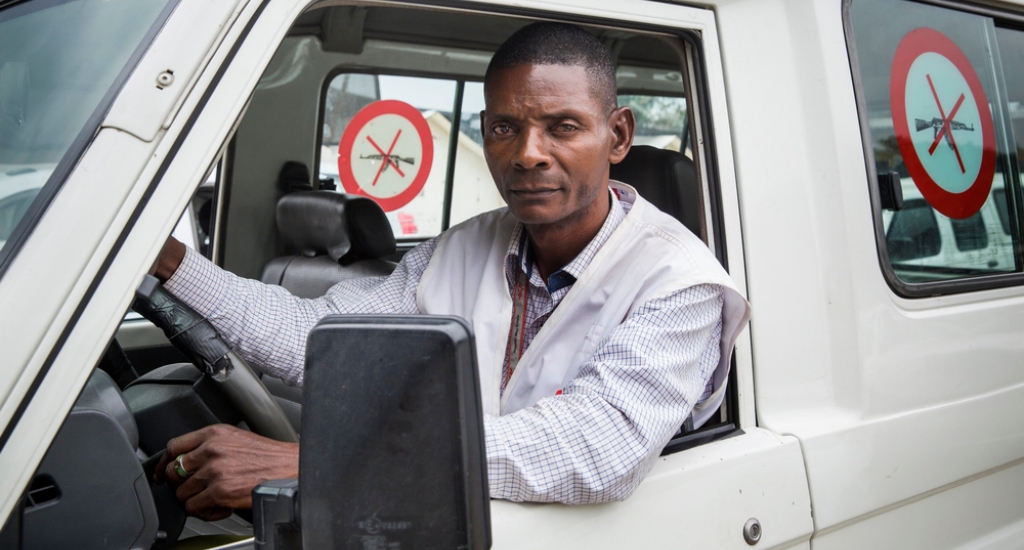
x: 532, y: 215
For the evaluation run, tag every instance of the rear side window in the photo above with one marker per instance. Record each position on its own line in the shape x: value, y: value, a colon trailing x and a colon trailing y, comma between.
x: 942, y: 102
x: 398, y: 155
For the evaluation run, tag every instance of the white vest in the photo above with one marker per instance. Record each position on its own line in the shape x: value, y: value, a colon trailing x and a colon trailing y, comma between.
x: 648, y: 256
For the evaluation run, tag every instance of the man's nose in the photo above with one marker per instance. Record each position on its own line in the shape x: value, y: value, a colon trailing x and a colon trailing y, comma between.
x: 532, y: 153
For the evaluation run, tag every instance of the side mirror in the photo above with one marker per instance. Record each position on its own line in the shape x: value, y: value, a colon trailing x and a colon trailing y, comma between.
x: 392, y: 447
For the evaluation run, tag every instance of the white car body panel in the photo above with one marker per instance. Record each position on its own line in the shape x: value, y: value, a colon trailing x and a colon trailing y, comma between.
x: 45, y: 305
x: 183, y: 47
x: 891, y: 398
x: 756, y: 474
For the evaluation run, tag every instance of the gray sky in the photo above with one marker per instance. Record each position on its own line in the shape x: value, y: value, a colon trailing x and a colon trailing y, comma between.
x: 431, y: 93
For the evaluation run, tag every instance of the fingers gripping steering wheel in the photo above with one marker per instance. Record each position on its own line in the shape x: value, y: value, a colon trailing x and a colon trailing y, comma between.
x: 194, y: 336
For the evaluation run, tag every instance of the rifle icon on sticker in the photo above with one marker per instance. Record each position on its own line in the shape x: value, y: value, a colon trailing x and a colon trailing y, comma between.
x: 936, y: 125
x: 392, y: 159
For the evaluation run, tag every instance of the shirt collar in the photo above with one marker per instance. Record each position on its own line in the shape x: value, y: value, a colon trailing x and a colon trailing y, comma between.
x: 520, y: 253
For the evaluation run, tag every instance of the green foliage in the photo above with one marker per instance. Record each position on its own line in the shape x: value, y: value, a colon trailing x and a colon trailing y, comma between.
x: 656, y: 115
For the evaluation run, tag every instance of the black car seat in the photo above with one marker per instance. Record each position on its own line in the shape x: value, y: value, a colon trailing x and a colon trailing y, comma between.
x: 337, y: 237
x: 668, y: 179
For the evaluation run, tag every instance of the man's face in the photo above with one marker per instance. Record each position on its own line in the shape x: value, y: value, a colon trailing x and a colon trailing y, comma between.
x: 549, y: 140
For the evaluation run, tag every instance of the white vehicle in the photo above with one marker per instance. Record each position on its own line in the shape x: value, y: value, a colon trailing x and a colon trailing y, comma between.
x: 875, y: 401
x: 925, y: 246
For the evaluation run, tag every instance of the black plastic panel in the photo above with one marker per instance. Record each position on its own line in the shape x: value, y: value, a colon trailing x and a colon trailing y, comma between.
x: 147, y: 359
x: 10, y: 535
x: 172, y: 401
x: 99, y: 497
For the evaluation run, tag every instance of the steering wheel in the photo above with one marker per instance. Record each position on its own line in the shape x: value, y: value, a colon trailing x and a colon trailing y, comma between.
x: 194, y: 336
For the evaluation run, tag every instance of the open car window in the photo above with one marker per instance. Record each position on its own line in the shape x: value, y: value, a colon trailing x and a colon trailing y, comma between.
x: 457, y: 184
x: 397, y: 119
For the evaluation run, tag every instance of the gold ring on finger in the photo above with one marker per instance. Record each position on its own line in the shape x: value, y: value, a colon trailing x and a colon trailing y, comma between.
x: 180, y: 469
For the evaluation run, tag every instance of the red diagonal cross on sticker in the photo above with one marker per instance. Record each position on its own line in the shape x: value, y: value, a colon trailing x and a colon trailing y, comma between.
x: 387, y: 157
x: 946, y: 130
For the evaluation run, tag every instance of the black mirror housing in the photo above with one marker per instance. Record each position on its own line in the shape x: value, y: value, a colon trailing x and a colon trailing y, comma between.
x: 392, y: 447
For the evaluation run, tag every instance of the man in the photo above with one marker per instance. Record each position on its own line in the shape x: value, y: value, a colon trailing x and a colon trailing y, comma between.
x: 599, y: 320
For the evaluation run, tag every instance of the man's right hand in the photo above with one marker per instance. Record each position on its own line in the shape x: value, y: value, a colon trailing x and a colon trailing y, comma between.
x: 169, y: 260
x: 224, y: 464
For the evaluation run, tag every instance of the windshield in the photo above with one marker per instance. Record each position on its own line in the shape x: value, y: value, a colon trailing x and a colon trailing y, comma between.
x: 58, y: 59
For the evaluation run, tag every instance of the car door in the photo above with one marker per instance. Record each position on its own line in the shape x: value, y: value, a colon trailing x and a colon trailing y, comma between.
x: 895, y: 363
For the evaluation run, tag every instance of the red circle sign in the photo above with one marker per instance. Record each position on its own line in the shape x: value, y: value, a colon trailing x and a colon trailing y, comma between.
x: 942, y: 122
x: 386, y: 153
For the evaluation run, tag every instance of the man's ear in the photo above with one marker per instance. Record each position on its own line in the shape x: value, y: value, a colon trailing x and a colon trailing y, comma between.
x: 623, y: 125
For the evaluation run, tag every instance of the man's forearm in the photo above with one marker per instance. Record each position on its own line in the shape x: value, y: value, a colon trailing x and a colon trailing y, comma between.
x: 563, y: 451
x: 267, y: 325
x: 264, y: 324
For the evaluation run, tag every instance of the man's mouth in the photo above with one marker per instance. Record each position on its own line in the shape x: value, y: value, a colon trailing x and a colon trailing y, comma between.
x: 534, y: 193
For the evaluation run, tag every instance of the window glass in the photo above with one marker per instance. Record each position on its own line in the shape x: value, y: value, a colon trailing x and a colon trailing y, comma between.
x: 999, y: 200
x: 346, y: 96
x: 202, y: 209
x: 649, y: 78
x: 195, y: 227
x: 660, y: 121
x: 57, y: 60
x: 396, y: 155
x: 913, y: 232
x: 939, y: 108
x: 12, y: 208
x: 970, y: 233
x: 1011, y: 53
x: 473, y: 190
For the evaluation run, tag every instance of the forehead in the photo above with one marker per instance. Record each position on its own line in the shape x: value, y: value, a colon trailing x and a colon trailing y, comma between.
x: 538, y: 86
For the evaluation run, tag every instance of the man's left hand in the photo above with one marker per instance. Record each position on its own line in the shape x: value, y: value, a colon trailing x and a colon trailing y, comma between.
x: 224, y: 464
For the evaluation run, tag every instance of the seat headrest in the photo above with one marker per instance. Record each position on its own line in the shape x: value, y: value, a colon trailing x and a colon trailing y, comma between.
x: 667, y: 179
x: 345, y: 227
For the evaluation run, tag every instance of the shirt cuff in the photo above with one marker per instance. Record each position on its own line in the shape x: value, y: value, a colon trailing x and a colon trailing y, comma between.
x: 498, y: 477
x: 199, y: 283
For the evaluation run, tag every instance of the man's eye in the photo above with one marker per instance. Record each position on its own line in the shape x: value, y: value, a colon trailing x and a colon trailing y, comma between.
x: 566, y: 128
x: 502, y: 129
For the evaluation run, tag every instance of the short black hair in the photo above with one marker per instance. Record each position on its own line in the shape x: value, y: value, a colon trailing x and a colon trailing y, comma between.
x: 548, y: 43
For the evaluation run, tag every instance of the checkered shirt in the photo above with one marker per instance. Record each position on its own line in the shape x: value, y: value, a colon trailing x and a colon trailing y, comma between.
x: 593, y: 443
